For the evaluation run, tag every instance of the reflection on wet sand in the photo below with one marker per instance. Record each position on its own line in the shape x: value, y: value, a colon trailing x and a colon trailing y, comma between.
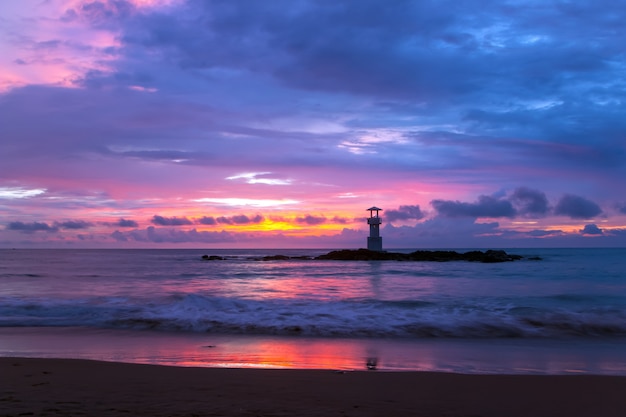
x: 229, y: 351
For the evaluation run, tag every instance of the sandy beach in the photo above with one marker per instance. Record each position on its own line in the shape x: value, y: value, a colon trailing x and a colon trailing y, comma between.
x: 52, y: 387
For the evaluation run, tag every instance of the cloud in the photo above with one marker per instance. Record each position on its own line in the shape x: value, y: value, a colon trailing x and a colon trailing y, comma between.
x: 170, y: 221
x: 243, y: 219
x: 311, y: 220
x: 19, y: 192
x: 576, y: 207
x: 405, y: 213
x: 126, y: 223
x: 119, y: 236
x: 207, y: 220
x: 259, y: 178
x: 240, y: 219
x: 73, y: 224
x: 530, y: 203
x: 288, y: 106
x: 486, y: 206
x: 341, y: 220
x: 168, y: 235
x: 543, y: 233
x: 620, y: 233
x: 436, y: 232
x: 591, y: 229
x: 31, y: 227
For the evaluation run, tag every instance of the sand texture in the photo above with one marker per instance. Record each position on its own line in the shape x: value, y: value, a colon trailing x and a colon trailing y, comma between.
x: 55, y: 387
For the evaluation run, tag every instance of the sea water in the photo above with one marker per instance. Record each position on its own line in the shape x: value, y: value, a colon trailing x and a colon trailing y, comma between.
x: 562, y: 313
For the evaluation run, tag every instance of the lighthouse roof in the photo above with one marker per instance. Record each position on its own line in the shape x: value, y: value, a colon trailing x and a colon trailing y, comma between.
x: 373, y: 208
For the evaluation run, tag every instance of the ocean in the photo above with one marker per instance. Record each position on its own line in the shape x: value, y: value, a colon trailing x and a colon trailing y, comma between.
x: 564, y: 313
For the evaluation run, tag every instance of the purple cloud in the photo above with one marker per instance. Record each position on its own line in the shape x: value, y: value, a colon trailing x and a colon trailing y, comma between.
x: 486, y: 206
x: 311, y: 220
x: 73, y: 224
x: 341, y: 220
x: 577, y: 207
x: 168, y: 235
x: 591, y: 229
x: 243, y: 219
x: 126, y: 223
x: 405, y: 213
x: 210, y: 221
x: 240, y: 219
x: 170, y: 221
x: 119, y: 236
x: 146, y: 108
x: 32, y: 227
x: 530, y: 203
x: 542, y: 233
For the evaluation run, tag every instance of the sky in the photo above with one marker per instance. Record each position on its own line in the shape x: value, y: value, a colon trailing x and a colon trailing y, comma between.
x: 277, y: 124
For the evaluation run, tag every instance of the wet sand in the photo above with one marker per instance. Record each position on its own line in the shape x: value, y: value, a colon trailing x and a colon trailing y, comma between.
x: 53, y: 387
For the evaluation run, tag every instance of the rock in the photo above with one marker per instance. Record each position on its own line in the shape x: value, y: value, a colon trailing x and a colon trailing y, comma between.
x: 275, y: 258
x: 489, y: 256
x: 212, y: 258
x: 358, y: 255
x: 283, y: 258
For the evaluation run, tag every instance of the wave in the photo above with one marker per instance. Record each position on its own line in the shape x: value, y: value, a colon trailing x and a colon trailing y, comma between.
x: 499, y: 318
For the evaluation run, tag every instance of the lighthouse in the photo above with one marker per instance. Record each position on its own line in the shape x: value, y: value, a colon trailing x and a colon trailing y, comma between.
x: 374, y: 241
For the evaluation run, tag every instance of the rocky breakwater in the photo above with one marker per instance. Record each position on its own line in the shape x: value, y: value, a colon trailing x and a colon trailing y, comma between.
x: 489, y: 256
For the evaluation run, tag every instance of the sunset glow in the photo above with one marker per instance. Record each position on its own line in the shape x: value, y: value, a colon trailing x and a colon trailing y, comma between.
x: 180, y: 123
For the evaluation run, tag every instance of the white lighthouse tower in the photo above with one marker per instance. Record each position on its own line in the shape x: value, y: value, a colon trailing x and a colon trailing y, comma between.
x: 374, y: 241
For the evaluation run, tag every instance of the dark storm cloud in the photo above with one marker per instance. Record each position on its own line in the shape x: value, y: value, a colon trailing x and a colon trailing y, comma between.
x: 404, y: 213
x: 170, y: 221
x: 311, y: 220
x: 576, y: 207
x: 31, y: 227
x: 394, y: 49
x: 486, y: 206
x: 530, y: 203
x: 591, y: 229
x: 352, y: 53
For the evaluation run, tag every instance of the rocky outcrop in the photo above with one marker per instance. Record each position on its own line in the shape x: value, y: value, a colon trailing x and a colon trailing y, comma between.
x: 489, y: 256
x: 212, y: 258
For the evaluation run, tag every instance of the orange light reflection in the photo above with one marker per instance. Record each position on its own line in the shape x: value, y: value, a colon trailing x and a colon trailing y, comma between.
x: 280, y: 353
